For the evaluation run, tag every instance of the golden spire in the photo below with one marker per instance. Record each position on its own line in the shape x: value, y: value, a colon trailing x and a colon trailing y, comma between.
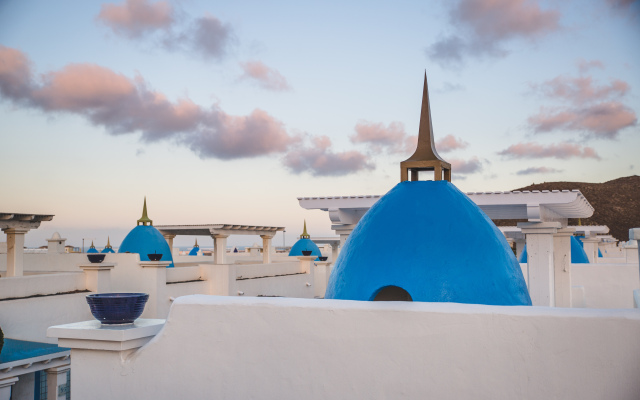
x: 196, y: 245
x: 305, y: 235
x: 425, y: 158
x: 92, y: 246
x: 108, y: 246
x: 145, y: 219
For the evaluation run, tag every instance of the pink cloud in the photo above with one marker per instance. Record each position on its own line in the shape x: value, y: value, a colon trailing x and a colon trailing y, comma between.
x: 208, y: 36
x: 450, y: 143
x: 582, y: 89
x: 603, y: 120
x: 124, y: 106
x: 319, y: 160
x: 134, y: 18
x: 538, y: 170
x: 379, y: 136
x: 559, y: 150
x: 267, y: 78
x: 585, y: 66
x: 483, y: 26
x: 466, y: 166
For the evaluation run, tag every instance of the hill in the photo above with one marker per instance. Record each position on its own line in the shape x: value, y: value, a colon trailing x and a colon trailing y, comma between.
x: 616, y: 203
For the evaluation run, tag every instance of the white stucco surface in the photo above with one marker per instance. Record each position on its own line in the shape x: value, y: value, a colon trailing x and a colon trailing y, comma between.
x: 241, y: 348
x: 607, y: 285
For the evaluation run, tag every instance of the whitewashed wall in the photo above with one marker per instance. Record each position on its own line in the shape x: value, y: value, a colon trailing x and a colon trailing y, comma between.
x: 242, y: 348
x: 607, y: 285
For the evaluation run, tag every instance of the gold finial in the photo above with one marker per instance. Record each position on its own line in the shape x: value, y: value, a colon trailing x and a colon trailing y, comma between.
x: 145, y: 219
x: 108, y: 246
x: 196, y: 245
x: 305, y: 235
x: 92, y: 246
x: 425, y: 158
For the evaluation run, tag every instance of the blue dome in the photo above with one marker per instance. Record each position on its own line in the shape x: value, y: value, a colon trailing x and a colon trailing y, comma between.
x: 92, y: 250
x: 145, y: 239
x: 305, y: 244
x: 578, y: 256
x: 107, y: 250
x: 412, y: 239
x: 194, y: 251
x: 599, y: 253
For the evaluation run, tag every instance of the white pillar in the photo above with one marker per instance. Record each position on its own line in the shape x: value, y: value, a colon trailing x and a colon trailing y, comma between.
x: 562, y: 266
x: 5, y: 387
x: 590, y: 246
x: 98, y: 276
x: 169, y: 238
x: 335, y: 246
x: 539, y: 238
x: 15, y: 251
x: 220, y: 249
x: 266, y: 248
x: 343, y: 238
x: 56, y: 380
x: 155, y: 284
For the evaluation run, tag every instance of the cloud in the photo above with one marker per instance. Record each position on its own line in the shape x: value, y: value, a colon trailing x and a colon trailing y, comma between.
x: 592, y: 109
x: 135, y: 18
x: 482, y: 27
x: 394, y: 140
x: 125, y: 106
x: 448, y: 87
x: 206, y: 36
x: 559, y: 150
x: 582, y: 89
x: 210, y: 37
x: 450, y: 143
x: 319, y: 159
x: 538, y: 170
x: 585, y: 66
x: 267, y: 78
x: 629, y: 8
x: 466, y: 166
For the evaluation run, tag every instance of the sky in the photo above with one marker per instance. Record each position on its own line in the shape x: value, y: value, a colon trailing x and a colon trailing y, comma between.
x: 226, y: 112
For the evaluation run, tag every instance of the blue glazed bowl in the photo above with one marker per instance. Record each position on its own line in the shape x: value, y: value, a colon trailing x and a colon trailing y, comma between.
x: 117, y: 308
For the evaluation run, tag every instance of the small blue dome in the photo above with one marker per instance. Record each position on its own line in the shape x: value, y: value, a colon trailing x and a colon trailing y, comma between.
x: 411, y: 239
x: 92, y: 250
x: 599, y: 253
x: 578, y: 256
x: 145, y: 239
x: 107, y: 250
x: 305, y: 244
x: 194, y: 251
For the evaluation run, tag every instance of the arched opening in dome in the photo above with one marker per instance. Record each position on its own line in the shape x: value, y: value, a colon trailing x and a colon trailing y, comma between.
x: 392, y: 293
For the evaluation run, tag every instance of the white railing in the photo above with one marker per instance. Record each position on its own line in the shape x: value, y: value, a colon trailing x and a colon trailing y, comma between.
x: 46, y: 284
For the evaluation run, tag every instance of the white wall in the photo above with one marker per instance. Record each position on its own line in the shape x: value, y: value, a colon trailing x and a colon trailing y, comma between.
x: 241, y: 348
x: 607, y: 285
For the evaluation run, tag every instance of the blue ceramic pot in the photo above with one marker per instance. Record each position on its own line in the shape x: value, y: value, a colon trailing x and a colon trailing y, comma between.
x: 117, y: 308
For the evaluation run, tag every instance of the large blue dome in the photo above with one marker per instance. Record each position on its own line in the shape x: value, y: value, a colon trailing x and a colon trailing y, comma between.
x: 578, y: 256
x: 145, y: 239
x: 304, y: 244
x: 431, y: 240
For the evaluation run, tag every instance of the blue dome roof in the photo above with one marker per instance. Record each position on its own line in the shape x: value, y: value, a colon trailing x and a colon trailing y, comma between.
x: 578, y: 256
x: 305, y: 244
x: 145, y: 239
x: 194, y: 251
x: 92, y: 250
x: 107, y: 250
x: 411, y: 238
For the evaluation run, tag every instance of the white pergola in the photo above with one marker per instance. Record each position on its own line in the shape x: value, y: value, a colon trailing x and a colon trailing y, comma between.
x: 220, y: 233
x: 546, y: 232
x: 15, y: 226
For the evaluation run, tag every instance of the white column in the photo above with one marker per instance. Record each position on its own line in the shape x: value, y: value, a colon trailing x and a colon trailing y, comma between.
x: 335, y: 246
x: 15, y: 251
x: 155, y: 283
x: 169, y: 238
x: 539, y: 238
x: 562, y: 266
x: 220, y: 249
x: 98, y: 276
x: 590, y: 245
x: 343, y: 238
x: 56, y: 380
x: 266, y: 248
x: 5, y: 387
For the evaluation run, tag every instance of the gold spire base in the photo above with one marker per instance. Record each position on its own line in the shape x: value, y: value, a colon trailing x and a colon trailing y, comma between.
x: 411, y: 168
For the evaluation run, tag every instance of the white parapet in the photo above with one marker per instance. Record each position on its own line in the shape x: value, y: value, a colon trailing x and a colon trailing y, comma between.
x: 242, y: 347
